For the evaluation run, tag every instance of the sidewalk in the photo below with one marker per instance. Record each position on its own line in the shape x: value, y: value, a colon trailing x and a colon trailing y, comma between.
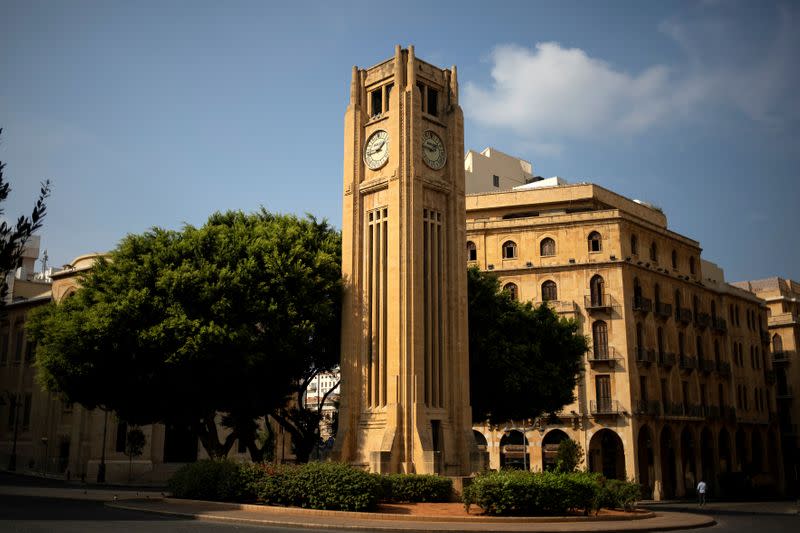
x: 307, y: 518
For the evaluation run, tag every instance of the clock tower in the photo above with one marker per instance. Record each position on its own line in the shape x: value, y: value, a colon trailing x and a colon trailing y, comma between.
x: 405, y: 365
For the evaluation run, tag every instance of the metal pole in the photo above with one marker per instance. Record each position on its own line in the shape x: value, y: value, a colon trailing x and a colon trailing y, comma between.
x: 525, y: 454
x: 101, y: 470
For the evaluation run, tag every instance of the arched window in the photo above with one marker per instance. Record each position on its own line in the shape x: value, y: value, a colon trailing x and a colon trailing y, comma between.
x: 674, y: 259
x: 597, y: 287
x: 713, y: 310
x: 691, y: 265
x: 512, y: 290
x: 695, y: 305
x: 639, y: 337
x: 681, y: 342
x: 634, y: 245
x: 716, y: 352
x: 637, y: 290
x: 595, y: 242
x: 677, y: 304
x: 699, y: 347
x: 654, y: 252
x: 547, y: 247
x: 509, y: 250
x: 657, y: 295
x: 600, y: 337
x: 777, y: 343
x: 549, y: 291
x: 660, y: 341
x: 472, y: 251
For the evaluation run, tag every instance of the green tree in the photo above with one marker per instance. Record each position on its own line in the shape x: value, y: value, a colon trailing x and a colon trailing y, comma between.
x: 134, y: 446
x: 226, y: 318
x: 14, y: 236
x: 568, y: 456
x: 524, y: 359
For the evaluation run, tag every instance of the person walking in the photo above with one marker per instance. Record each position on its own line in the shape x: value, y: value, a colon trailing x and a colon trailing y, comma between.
x: 701, y: 493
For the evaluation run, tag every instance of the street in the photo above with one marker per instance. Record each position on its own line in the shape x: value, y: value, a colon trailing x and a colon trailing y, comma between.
x: 767, y: 517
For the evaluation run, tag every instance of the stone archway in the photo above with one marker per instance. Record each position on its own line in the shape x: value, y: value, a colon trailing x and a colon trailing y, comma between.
x: 550, y: 448
x: 725, y: 458
x: 668, y: 469
x: 607, y: 454
x: 483, y: 449
x: 512, y: 450
x: 688, y: 464
x: 646, y: 460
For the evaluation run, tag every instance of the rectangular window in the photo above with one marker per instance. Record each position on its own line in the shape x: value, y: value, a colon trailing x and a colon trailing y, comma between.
x: 496, y: 181
x: 643, y: 388
x: 433, y: 102
x: 603, y: 388
x: 664, y: 393
x: 685, y: 393
x: 388, y: 95
x: 18, y: 341
x: 3, y: 348
x: 421, y: 88
x: 26, y: 411
x: 376, y: 103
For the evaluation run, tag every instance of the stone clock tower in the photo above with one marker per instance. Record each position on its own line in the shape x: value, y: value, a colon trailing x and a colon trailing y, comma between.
x: 405, y: 374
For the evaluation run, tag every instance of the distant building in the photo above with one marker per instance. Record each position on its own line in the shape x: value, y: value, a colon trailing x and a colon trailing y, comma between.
x: 677, y: 385
x: 783, y: 309
x: 325, y: 386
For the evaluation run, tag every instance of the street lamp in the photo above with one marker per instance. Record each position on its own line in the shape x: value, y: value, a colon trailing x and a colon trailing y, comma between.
x: 14, y: 405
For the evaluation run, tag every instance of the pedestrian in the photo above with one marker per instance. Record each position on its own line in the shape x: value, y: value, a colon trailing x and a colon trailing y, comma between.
x: 701, y: 493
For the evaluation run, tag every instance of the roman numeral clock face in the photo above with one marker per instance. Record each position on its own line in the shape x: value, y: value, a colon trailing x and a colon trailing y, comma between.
x: 376, y: 152
x: 433, y: 152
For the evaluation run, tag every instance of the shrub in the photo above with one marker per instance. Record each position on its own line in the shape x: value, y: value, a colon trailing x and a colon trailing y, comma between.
x: 416, y: 488
x: 568, y: 456
x: 618, y: 494
x: 529, y: 493
x: 208, y: 479
x: 333, y: 486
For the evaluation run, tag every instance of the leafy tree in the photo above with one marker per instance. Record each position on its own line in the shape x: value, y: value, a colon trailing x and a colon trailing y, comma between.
x: 568, y: 456
x: 524, y: 360
x: 14, y: 236
x: 226, y: 318
x: 134, y: 446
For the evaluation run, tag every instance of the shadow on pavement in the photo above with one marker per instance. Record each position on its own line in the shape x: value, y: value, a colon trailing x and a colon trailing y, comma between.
x: 26, y: 508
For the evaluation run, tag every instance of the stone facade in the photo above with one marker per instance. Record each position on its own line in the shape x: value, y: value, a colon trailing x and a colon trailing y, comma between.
x: 405, y: 376
x: 677, y: 385
x: 783, y: 309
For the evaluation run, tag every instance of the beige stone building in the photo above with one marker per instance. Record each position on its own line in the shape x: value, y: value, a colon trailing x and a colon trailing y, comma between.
x: 677, y: 385
x: 783, y: 309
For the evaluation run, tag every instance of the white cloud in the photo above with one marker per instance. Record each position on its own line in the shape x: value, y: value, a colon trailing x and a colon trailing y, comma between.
x: 550, y: 93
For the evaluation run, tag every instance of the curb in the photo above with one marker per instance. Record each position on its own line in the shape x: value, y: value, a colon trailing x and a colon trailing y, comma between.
x: 305, y: 519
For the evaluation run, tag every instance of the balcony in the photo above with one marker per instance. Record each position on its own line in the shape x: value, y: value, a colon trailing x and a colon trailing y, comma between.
x: 782, y: 319
x: 604, y: 355
x: 781, y: 357
x: 712, y: 412
x: 769, y: 376
x: 642, y: 305
x: 674, y: 409
x: 724, y: 369
x: 604, y: 406
x: 702, y: 320
x: 562, y: 307
x: 683, y: 315
x: 666, y: 360
x: 644, y: 356
x: 687, y: 363
x: 727, y: 413
x: 663, y: 310
x: 784, y: 392
x: 598, y: 303
x: 720, y: 325
x: 706, y: 365
x: 648, y: 408
x: 695, y: 411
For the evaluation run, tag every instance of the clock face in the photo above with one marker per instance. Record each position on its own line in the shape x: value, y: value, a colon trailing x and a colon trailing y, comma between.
x: 433, y: 152
x: 376, y: 153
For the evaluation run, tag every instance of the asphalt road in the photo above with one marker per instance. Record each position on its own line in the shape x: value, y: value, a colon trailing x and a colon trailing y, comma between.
x: 762, y: 517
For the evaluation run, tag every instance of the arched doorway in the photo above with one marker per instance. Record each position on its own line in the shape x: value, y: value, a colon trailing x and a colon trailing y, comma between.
x: 483, y: 448
x: 597, y: 288
x: 688, y: 464
x: 757, y: 462
x: 512, y: 450
x: 708, y: 467
x: 741, y: 450
x: 725, y: 462
x: 646, y: 461
x: 772, y: 453
x: 550, y: 448
x: 607, y: 454
x: 668, y: 474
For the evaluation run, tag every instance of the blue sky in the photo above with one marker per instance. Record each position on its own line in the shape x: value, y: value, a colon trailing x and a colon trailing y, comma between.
x: 159, y: 113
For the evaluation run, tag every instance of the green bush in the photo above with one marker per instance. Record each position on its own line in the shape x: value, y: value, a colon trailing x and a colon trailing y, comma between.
x: 619, y: 494
x: 416, y: 488
x: 209, y: 480
x: 533, y: 493
x: 333, y: 486
x: 568, y: 456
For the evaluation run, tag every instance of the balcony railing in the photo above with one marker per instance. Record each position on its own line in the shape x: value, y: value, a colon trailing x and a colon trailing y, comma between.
x: 687, y: 363
x: 702, y: 320
x: 769, y: 376
x: 604, y: 406
x: 642, y: 305
x: 727, y: 413
x: 598, y: 302
x: 666, y: 359
x: 781, y: 357
x: 663, y: 310
x: 706, y: 365
x: 683, y: 315
x: 648, y: 407
x: 719, y: 324
x: 603, y: 355
x: 644, y: 356
x: 674, y: 409
x: 561, y: 307
x: 724, y: 368
x: 711, y: 412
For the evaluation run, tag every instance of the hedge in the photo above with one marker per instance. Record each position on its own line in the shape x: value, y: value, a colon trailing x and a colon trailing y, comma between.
x: 511, y: 492
x: 416, y: 488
